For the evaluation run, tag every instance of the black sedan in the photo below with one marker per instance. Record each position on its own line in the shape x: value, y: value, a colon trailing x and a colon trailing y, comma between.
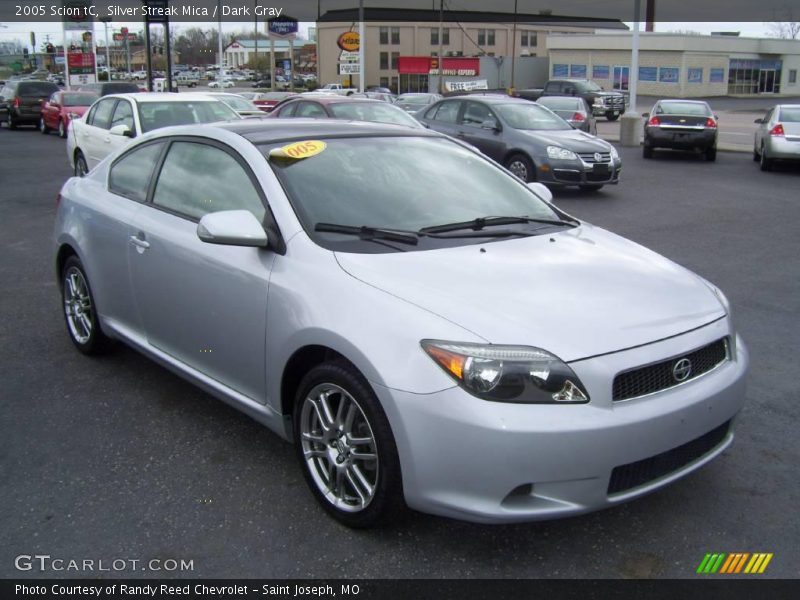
x: 681, y: 125
x: 531, y: 141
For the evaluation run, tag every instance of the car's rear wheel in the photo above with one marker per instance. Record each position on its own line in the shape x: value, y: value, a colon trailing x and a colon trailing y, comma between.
x: 647, y: 151
x: 81, y: 168
x: 62, y: 128
x: 43, y: 126
x: 756, y: 157
x: 80, y: 313
x: 766, y: 162
x: 346, y: 448
x: 711, y: 154
x: 521, y: 166
x: 10, y: 121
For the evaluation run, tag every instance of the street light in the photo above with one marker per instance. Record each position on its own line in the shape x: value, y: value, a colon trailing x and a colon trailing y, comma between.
x: 105, y: 21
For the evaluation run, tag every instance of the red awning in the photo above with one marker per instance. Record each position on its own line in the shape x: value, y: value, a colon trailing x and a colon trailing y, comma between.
x: 464, y: 66
x: 413, y: 65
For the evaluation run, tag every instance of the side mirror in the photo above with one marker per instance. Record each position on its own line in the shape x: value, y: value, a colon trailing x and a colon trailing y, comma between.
x: 490, y: 124
x: 232, y: 228
x: 645, y: 115
x: 122, y: 130
x: 759, y: 121
x: 541, y: 190
x: 716, y: 117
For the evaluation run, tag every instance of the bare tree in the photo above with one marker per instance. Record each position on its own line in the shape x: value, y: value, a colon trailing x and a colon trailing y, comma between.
x: 787, y: 30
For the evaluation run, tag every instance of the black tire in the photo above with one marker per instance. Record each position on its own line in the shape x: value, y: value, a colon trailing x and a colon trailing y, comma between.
x: 589, y: 187
x: 81, y: 168
x: 711, y: 154
x: 62, y: 129
x: 521, y: 166
x: 387, y: 502
x: 43, y: 126
x: 611, y: 116
x: 766, y: 163
x: 11, y: 122
x: 96, y: 341
x: 756, y: 157
x: 647, y: 151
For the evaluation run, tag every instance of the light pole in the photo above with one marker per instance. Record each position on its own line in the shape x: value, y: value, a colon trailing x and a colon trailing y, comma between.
x: 105, y: 21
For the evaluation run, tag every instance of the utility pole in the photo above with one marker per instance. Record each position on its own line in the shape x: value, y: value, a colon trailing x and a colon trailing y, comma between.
x: 514, y: 45
x: 441, y: 48
x: 362, y: 68
x: 105, y: 21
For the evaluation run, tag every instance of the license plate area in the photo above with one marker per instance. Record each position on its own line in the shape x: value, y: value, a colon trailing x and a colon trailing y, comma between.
x: 600, y: 169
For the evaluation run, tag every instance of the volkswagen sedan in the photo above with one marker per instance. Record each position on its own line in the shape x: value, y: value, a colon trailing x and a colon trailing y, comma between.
x: 426, y: 328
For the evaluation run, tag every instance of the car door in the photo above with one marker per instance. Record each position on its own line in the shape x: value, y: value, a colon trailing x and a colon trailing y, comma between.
x: 122, y: 115
x: 203, y: 304
x: 471, y: 130
x: 443, y: 117
x: 93, y: 138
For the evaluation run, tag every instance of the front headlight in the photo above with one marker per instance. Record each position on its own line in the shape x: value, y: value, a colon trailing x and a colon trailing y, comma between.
x: 598, y: 101
x: 520, y: 374
x: 562, y: 153
x: 614, y: 153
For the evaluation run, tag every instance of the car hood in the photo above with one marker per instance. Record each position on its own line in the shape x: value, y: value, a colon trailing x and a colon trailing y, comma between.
x: 572, y: 139
x: 576, y: 293
x: 605, y: 93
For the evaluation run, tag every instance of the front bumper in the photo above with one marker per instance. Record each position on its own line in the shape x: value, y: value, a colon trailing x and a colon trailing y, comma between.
x: 576, y: 172
x: 490, y: 462
x: 680, y: 139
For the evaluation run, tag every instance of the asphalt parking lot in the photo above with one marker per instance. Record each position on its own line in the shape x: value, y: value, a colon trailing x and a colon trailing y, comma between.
x: 118, y: 458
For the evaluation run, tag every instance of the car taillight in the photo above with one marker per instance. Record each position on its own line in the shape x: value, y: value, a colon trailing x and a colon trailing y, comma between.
x: 654, y: 121
x: 777, y: 130
x: 16, y: 102
x: 711, y: 123
x: 578, y: 117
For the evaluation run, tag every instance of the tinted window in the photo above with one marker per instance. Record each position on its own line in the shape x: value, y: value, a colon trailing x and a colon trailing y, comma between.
x: 102, y: 113
x: 154, y: 115
x: 556, y: 103
x: 476, y: 113
x: 447, y: 112
x: 37, y: 88
x: 684, y: 108
x: 373, y: 111
x: 790, y: 114
x: 310, y: 109
x: 123, y: 115
x: 197, y: 179
x: 530, y: 116
x: 130, y: 175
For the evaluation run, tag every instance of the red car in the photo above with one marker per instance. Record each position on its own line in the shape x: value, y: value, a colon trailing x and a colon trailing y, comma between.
x: 63, y: 106
x: 266, y: 101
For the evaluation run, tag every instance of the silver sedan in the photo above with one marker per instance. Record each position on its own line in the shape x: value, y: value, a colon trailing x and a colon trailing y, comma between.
x: 777, y: 136
x: 427, y: 329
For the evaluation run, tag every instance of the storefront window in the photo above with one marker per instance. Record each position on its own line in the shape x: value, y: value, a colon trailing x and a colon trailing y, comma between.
x: 754, y: 76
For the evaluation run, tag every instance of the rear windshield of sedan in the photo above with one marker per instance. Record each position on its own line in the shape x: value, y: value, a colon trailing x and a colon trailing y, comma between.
x: 32, y: 88
x: 691, y: 109
x: 416, y: 99
x: 561, y: 103
x: 79, y: 99
x: 369, y: 111
x: 790, y: 114
x: 530, y: 117
x: 154, y: 115
x: 401, y: 182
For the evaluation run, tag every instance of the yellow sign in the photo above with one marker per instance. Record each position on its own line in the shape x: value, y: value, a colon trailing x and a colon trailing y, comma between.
x: 349, y: 41
x: 299, y: 150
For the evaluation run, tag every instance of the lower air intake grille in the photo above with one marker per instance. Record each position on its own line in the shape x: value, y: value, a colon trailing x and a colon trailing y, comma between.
x: 660, y: 376
x: 626, y: 477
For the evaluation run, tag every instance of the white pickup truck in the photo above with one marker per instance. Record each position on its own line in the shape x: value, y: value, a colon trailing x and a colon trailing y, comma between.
x: 338, y: 88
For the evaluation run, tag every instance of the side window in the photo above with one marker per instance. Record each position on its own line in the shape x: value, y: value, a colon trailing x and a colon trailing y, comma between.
x: 197, y: 179
x: 311, y: 110
x: 123, y: 115
x: 475, y: 114
x: 288, y: 111
x: 102, y: 113
x: 569, y: 90
x: 553, y: 86
x: 448, y: 112
x: 130, y: 175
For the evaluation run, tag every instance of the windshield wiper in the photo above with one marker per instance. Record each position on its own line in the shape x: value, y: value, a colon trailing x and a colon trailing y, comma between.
x: 481, y: 222
x: 370, y: 233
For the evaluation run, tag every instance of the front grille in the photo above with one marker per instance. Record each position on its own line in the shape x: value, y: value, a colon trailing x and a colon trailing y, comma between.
x: 588, y: 157
x: 626, y: 477
x: 659, y: 376
x: 615, y: 101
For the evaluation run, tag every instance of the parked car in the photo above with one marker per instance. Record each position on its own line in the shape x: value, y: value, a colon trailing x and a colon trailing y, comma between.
x: 61, y: 108
x: 110, y: 87
x: 343, y: 107
x: 220, y: 84
x: 243, y: 106
x: 610, y: 104
x: 187, y: 78
x: 778, y: 136
x: 573, y: 110
x: 338, y: 88
x: 21, y: 101
x: 531, y: 141
x: 376, y: 96
x: 379, y: 90
x: 262, y: 83
x: 415, y: 102
x: 431, y: 335
x: 266, y: 101
x: 114, y: 120
x: 680, y: 125
x: 139, y: 75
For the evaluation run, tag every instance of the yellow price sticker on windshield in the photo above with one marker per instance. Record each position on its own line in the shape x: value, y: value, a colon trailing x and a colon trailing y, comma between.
x: 299, y: 150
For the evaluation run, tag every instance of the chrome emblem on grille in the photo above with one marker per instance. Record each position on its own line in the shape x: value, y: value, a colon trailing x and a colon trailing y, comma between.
x: 682, y: 369
x: 598, y: 157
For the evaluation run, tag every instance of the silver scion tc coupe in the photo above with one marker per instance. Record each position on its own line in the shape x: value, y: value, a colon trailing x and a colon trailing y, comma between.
x: 427, y: 329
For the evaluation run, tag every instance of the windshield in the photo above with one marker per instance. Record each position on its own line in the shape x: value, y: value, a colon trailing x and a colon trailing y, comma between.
x: 790, y: 114
x: 554, y: 103
x: 404, y: 183
x: 693, y: 109
x: 590, y: 86
x: 369, y: 111
x: 154, y: 115
x: 530, y: 117
x: 422, y: 99
x: 79, y: 99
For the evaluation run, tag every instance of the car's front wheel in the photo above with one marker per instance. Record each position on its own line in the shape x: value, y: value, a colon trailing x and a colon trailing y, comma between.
x: 79, y: 309
x: 346, y: 447
x: 611, y: 116
x: 521, y: 166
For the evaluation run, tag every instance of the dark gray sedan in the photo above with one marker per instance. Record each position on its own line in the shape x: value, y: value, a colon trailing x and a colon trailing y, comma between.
x: 573, y: 109
x: 531, y: 141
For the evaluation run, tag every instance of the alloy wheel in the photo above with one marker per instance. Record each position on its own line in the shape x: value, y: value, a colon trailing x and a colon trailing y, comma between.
x: 77, y: 305
x: 518, y: 168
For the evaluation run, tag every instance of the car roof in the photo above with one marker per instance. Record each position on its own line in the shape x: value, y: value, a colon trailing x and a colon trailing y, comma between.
x: 259, y: 131
x: 333, y: 99
x: 682, y: 101
x: 490, y: 99
x: 163, y: 97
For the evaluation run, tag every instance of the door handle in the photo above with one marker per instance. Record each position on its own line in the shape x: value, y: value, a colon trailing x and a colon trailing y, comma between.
x: 107, y: 140
x: 139, y: 242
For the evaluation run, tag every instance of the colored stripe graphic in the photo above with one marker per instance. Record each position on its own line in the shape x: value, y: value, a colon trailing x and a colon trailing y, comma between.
x: 733, y: 563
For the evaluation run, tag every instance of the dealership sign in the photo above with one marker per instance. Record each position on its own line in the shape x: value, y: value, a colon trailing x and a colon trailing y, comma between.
x: 349, y: 41
x: 282, y: 27
x: 458, y: 66
x: 349, y: 68
x: 466, y: 86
